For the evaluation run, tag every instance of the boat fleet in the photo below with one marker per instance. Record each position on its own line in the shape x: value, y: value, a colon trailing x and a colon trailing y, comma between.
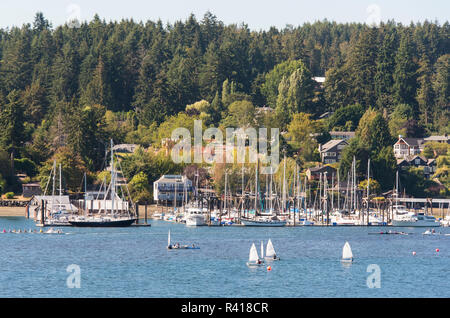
x: 274, y: 206
x: 255, y: 260
x: 297, y: 207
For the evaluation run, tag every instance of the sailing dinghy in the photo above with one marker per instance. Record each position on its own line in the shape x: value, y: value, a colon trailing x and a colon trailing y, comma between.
x: 270, y: 252
x: 347, y: 255
x: 253, y: 258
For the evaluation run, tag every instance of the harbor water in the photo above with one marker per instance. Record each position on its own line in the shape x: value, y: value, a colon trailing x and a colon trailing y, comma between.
x: 134, y: 262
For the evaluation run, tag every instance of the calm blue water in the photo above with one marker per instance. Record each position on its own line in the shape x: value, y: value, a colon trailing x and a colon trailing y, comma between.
x: 134, y: 262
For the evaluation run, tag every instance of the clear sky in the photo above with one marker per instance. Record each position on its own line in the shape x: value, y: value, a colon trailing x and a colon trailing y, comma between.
x: 257, y: 14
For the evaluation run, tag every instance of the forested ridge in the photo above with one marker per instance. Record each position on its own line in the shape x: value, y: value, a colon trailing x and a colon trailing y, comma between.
x: 64, y: 91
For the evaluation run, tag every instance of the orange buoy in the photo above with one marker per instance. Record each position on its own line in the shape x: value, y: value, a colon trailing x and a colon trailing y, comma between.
x: 437, y: 250
x: 269, y: 268
x: 414, y: 253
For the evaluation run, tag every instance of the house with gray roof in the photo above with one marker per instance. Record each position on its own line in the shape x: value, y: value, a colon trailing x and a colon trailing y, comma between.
x: 407, y: 147
x: 330, y: 152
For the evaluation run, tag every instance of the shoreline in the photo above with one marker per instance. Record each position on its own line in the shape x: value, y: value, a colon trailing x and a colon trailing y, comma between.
x: 12, y: 211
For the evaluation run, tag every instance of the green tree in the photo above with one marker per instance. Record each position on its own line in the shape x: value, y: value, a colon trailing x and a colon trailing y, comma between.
x: 343, y: 115
x: 425, y: 94
x: 373, y: 131
x: 140, y: 188
x: 270, y: 87
x: 240, y: 114
x: 72, y: 168
x: 405, y: 84
x: 12, y: 123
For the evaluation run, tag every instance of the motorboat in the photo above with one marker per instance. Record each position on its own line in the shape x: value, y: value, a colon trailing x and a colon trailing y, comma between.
x: 195, y: 216
x: 412, y: 219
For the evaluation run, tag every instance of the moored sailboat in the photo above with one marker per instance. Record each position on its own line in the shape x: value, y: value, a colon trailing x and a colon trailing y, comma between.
x: 116, y: 217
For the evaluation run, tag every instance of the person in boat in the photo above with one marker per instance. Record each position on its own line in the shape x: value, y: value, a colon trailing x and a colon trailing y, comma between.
x: 170, y: 247
x: 259, y: 262
x: 177, y: 245
x: 433, y: 231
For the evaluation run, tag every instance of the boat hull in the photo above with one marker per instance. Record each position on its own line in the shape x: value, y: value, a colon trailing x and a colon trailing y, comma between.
x: 415, y: 223
x: 263, y: 223
x: 195, y: 221
x: 255, y: 264
x: 109, y: 223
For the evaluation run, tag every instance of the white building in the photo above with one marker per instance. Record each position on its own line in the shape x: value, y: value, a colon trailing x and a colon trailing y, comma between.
x: 164, y: 188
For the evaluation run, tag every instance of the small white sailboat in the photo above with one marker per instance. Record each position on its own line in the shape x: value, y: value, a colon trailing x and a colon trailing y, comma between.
x: 253, y: 258
x: 168, y: 241
x: 347, y: 255
x: 270, y: 252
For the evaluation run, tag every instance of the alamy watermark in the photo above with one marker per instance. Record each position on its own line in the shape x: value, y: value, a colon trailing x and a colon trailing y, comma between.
x: 237, y: 142
x: 374, y: 279
x: 374, y: 18
x: 74, y: 279
x: 74, y: 18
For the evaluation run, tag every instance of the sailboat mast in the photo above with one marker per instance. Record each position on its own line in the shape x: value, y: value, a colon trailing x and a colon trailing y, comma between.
x: 242, y: 190
x: 368, y: 189
x: 60, y: 187
x: 175, y: 197
x: 113, y: 180
x: 339, y: 191
x: 284, y: 184
x: 85, y: 193
x: 396, y: 188
x: 332, y: 191
x: 256, y: 186
x: 53, y: 188
x: 225, y: 204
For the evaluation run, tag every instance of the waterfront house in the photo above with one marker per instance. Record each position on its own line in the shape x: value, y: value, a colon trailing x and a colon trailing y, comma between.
x: 164, y: 188
x: 31, y: 189
x: 314, y: 173
x: 330, y: 152
x: 407, y: 147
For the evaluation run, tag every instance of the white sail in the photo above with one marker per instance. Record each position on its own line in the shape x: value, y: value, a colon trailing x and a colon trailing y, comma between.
x: 253, y: 257
x: 262, y: 249
x: 347, y: 252
x: 270, y: 251
x: 168, y: 241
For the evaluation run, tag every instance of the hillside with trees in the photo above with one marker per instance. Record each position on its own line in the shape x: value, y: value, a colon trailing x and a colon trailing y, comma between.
x: 65, y: 91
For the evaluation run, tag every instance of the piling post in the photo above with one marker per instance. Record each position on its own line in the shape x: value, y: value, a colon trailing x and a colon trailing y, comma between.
x: 137, y: 213
x: 42, y: 212
x: 145, y: 220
